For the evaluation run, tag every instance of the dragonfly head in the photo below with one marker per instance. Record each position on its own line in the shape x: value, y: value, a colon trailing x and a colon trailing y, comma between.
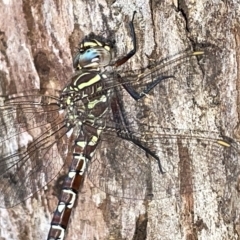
x: 93, y: 54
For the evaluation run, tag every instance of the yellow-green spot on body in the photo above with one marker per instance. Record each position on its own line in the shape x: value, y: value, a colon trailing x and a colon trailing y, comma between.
x: 88, y: 44
x: 92, y: 104
x: 68, y: 101
x: 99, y: 89
x: 104, y: 76
x: 91, y: 116
x: 90, y: 82
x: 107, y: 48
x: 84, y: 95
x: 93, y: 141
x: 81, y: 144
x: 198, y: 53
x: 91, y: 121
x: 99, y: 131
x: 71, y: 174
x: 223, y: 143
x: 80, y: 157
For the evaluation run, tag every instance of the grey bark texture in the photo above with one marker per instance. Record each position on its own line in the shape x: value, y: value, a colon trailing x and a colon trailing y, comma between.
x: 37, y: 41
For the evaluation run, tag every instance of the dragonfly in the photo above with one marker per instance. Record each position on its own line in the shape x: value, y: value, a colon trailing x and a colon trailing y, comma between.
x: 91, y: 114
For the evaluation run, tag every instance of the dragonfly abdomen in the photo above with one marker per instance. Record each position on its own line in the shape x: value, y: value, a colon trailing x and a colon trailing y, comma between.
x: 83, y: 150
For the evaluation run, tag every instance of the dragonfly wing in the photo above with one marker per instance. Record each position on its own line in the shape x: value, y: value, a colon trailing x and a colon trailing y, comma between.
x: 192, y: 163
x: 175, y: 98
x: 25, y: 110
x: 120, y: 168
x: 172, y: 148
x: 31, y: 132
x: 180, y: 73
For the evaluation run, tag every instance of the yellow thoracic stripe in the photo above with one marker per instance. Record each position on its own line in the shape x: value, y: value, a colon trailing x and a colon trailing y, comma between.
x: 93, y: 80
x: 81, y: 75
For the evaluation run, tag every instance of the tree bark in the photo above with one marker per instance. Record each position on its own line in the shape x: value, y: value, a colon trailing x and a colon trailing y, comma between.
x: 37, y: 44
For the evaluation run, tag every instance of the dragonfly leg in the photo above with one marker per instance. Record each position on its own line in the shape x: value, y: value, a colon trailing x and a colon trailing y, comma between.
x: 134, y: 94
x: 125, y: 58
x: 138, y: 142
x: 121, y: 123
x: 124, y: 132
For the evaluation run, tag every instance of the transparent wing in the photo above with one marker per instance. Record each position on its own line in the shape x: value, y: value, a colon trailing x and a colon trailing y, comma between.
x: 192, y: 162
x: 137, y: 175
x: 31, y: 128
x: 183, y: 68
x: 180, y: 85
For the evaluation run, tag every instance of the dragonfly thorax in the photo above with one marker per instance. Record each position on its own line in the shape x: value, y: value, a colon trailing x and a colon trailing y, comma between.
x: 86, y: 110
x: 85, y: 99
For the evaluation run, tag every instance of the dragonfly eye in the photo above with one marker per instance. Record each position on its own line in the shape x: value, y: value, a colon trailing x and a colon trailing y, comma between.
x: 92, y: 54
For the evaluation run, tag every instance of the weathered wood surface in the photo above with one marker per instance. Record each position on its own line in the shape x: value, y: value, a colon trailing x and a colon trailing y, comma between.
x: 37, y: 43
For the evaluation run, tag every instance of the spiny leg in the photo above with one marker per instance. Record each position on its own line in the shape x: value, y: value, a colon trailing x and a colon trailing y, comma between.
x: 121, y: 123
x: 124, y: 59
x: 134, y: 94
x: 125, y: 132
